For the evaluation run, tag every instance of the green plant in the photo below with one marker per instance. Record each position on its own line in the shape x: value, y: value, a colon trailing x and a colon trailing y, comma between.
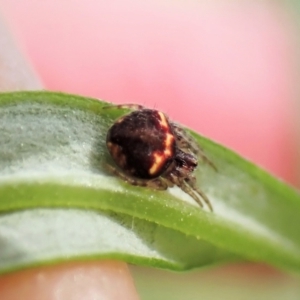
x: 58, y: 203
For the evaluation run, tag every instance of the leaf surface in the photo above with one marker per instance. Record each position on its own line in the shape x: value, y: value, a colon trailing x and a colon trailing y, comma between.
x: 58, y: 202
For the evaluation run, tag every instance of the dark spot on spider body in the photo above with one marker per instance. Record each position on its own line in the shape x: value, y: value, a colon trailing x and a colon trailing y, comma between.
x: 142, y: 143
x: 150, y: 150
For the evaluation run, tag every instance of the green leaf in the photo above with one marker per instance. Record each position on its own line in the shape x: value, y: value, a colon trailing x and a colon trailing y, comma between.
x: 57, y: 201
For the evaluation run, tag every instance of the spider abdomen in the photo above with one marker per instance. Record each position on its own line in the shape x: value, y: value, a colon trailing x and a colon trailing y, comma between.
x: 142, y: 143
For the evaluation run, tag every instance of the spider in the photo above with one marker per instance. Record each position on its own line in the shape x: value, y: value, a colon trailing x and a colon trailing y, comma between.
x: 152, y: 151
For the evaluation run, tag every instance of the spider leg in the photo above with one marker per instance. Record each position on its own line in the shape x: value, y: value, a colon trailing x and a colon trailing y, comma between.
x: 157, y: 183
x: 188, y: 186
x: 190, y: 181
x: 186, y: 142
x: 125, y: 106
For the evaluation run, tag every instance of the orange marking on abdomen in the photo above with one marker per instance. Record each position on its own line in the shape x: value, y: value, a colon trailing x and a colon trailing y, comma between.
x: 163, y: 120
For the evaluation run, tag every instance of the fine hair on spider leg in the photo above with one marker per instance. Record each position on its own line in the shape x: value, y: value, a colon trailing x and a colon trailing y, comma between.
x: 204, y: 197
x: 187, y: 142
x: 208, y: 161
x: 188, y: 186
x: 196, y: 193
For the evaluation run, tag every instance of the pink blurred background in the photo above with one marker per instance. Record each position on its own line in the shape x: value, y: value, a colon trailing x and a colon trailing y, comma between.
x: 223, y: 68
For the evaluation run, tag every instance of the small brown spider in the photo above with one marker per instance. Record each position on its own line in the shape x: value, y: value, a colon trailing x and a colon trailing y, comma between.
x: 150, y: 150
